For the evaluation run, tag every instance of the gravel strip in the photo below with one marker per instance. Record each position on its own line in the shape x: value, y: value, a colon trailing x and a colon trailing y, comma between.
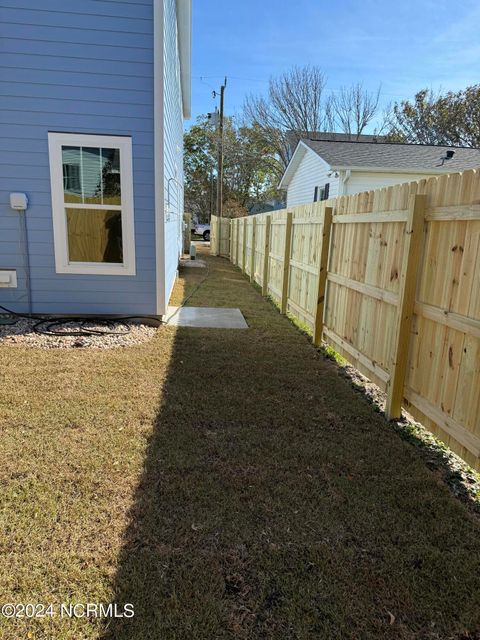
x: 22, y: 334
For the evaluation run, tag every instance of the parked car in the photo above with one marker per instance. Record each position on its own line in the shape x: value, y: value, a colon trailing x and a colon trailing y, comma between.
x: 201, y: 229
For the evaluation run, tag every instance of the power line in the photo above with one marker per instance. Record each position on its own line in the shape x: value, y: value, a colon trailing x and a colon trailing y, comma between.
x: 266, y: 80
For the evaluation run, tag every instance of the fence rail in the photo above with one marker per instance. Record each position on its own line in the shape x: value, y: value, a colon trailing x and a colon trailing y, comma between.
x: 390, y: 279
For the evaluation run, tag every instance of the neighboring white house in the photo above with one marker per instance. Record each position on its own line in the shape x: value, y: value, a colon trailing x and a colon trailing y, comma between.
x: 322, y: 169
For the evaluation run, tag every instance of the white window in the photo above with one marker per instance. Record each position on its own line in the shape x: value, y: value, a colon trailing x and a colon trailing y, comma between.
x: 92, y: 202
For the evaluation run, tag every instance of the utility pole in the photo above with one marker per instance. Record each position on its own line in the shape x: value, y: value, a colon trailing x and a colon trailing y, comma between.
x: 210, y: 211
x: 220, y: 155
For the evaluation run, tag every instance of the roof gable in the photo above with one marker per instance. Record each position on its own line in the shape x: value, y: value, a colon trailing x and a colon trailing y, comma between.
x: 298, y: 155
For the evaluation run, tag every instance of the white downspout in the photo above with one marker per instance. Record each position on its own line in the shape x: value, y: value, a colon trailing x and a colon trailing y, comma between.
x: 345, y: 179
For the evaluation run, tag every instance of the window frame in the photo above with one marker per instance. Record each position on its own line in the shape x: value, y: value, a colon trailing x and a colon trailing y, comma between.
x: 321, y: 193
x: 60, y: 237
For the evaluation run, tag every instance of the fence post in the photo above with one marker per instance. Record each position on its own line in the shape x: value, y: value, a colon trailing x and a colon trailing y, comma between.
x: 235, y: 261
x: 220, y: 237
x: 232, y: 239
x: 244, y: 247
x: 217, y: 236
x: 408, y: 284
x: 322, y: 275
x: 225, y: 237
x: 266, y: 255
x: 228, y: 244
x: 252, y: 257
x: 187, y: 232
x: 212, y: 235
x: 286, y: 262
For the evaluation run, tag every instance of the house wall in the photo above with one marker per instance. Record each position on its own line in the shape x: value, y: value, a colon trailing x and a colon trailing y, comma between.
x: 173, y: 150
x: 311, y: 172
x: 363, y: 181
x: 82, y: 67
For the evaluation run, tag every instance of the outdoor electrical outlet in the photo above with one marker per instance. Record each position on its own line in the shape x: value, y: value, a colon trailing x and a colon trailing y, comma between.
x: 8, y: 279
x: 18, y: 201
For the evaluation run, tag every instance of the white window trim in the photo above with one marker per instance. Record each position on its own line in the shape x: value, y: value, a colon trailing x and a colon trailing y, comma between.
x: 62, y: 264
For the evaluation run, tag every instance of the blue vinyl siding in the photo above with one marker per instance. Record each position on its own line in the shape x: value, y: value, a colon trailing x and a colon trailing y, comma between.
x: 80, y: 67
x: 173, y: 146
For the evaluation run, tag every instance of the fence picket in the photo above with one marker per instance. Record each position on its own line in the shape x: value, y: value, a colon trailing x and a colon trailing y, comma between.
x: 286, y: 262
x: 237, y: 240
x: 244, y: 245
x: 266, y: 255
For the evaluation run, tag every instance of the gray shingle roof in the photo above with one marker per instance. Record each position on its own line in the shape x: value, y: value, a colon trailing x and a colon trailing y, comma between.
x: 394, y: 155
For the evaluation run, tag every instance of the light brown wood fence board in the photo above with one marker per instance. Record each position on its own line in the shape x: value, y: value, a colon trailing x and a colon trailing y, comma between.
x: 187, y: 232
x: 260, y: 227
x: 266, y: 254
x: 238, y: 238
x: 366, y: 258
x: 244, y: 244
x: 366, y: 366
x: 220, y: 236
x: 361, y: 306
x: 233, y: 241
x: 213, y: 235
x: 286, y: 262
x: 253, y: 249
x: 248, y: 245
x: 412, y: 252
x: 305, y: 261
x: 277, y: 247
x: 225, y: 237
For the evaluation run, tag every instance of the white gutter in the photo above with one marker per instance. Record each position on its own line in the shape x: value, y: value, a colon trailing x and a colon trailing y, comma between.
x: 370, y: 169
x: 344, y: 177
x: 184, y: 27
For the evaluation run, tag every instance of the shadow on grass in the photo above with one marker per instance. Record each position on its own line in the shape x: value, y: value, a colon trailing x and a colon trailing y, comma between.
x: 275, y: 504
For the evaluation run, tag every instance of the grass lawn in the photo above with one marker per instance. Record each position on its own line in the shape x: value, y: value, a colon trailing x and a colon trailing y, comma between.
x: 229, y: 484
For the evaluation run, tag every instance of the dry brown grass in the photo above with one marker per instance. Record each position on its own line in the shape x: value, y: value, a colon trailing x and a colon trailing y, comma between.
x: 229, y: 485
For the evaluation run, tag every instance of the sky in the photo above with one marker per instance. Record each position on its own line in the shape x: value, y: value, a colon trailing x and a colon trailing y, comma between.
x: 403, y: 46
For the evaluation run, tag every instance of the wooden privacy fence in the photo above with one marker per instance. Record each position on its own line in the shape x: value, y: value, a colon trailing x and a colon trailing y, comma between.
x: 391, y: 280
x: 220, y: 236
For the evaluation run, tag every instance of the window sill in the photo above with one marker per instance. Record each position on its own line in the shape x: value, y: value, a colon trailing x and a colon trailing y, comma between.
x: 96, y: 269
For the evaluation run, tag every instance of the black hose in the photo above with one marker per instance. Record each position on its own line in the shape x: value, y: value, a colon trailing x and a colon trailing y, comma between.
x: 15, y: 314
x: 48, y: 326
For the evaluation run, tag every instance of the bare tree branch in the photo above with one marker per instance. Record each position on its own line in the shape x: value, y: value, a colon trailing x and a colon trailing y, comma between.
x: 353, y: 108
x: 295, y: 106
